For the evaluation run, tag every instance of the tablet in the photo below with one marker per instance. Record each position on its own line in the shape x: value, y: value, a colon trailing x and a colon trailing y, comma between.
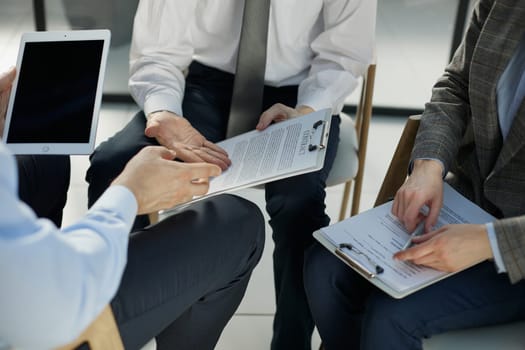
x: 55, y: 98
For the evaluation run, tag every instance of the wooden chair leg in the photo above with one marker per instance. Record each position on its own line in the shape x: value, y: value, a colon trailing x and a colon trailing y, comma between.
x: 344, y: 201
x: 153, y: 217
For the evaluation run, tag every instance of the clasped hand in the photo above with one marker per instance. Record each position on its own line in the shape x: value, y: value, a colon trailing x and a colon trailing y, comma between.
x: 176, y: 133
x: 450, y: 248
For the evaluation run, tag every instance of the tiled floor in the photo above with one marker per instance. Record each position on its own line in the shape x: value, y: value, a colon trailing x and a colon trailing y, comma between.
x: 412, y: 48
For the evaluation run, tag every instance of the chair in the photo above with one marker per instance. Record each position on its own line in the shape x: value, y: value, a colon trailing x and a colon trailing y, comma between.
x: 349, y: 163
x: 102, y: 334
x: 508, y: 336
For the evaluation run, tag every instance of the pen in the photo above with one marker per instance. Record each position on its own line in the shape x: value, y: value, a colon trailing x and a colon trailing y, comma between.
x: 419, y: 230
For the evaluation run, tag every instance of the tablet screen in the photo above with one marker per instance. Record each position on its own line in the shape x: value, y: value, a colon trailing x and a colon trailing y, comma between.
x: 55, y: 96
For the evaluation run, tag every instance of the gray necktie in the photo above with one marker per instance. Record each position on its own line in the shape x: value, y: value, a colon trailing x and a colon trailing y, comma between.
x: 248, y: 85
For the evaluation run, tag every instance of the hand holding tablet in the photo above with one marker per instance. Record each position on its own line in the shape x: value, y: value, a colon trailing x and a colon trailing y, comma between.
x: 6, y: 80
x: 56, y: 95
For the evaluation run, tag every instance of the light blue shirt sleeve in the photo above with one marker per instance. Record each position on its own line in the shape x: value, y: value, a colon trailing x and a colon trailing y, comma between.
x: 498, y: 259
x: 55, y: 282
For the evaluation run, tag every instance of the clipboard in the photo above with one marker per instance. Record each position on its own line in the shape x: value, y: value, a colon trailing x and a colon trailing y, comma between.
x: 367, y: 241
x: 289, y: 148
x: 368, y: 272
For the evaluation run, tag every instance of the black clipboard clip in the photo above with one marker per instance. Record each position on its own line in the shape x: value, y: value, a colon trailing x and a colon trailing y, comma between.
x: 339, y: 251
x: 312, y: 146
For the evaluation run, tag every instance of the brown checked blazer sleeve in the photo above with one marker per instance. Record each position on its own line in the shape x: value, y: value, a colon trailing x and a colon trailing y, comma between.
x: 460, y: 126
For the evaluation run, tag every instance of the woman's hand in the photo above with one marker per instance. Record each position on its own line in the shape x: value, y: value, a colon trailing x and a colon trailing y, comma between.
x: 450, y: 248
x: 423, y: 187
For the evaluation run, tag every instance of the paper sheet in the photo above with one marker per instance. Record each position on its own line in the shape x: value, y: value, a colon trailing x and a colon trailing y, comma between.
x: 377, y: 235
x: 281, y: 149
x: 292, y: 147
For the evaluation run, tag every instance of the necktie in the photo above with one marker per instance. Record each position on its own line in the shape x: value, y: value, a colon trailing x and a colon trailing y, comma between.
x: 248, y: 85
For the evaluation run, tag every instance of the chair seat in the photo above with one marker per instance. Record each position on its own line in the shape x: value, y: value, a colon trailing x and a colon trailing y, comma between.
x: 346, y: 160
x: 509, y: 336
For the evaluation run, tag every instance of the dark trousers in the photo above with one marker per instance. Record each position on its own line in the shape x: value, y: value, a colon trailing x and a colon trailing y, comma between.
x: 43, y: 182
x: 350, y: 313
x: 186, y: 275
x: 296, y: 205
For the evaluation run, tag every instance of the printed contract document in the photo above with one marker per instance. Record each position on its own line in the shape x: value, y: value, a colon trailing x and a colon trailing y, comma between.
x: 371, y: 238
x: 292, y: 147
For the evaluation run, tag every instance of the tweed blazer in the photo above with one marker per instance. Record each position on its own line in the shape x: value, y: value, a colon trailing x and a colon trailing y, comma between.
x: 460, y: 126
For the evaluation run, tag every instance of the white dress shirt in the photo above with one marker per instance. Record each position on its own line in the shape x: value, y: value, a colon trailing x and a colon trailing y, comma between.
x: 53, y: 282
x: 323, y: 46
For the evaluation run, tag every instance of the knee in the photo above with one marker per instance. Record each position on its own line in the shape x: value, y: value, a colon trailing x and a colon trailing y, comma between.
x: 292, y: 203
x: 295, y: 215
x: 391, y: 317
x: 327, y: 280
x: 247, y: 225
x: 106, y: 163
x: 110, y: 157
x: 315, y: 272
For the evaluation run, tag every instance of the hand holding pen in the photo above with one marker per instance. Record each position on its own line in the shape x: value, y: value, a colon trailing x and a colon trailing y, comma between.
x: 420, y: 229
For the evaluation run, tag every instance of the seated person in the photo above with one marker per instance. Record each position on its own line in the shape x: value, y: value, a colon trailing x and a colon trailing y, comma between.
x: 465, y: 129
x: 183, y: 68
x: 179, y: 280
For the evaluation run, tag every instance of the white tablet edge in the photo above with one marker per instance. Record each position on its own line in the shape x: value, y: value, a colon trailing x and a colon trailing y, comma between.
x: 60, y: 148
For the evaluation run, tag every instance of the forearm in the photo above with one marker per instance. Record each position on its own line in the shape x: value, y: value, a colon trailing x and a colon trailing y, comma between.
x: 161, y: 49
x: 55, y: 283
x: 447, y: 115
x: 342, y: 53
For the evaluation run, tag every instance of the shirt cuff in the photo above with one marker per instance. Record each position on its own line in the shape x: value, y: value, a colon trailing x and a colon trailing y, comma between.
x: 498, y: 259
x: 120, y: 200
x: 162, y: 102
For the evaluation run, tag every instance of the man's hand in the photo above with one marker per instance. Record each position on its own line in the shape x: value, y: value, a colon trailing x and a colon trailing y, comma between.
x: 158, y: 182
x: 450, y: 248
x: 423, y: 187
x: 6, y: 80
x: 176, y: 133
x: 279, y: 112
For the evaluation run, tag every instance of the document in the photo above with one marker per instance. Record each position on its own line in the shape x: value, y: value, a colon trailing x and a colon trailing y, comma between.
x: 288, y: 148
x: 370, y: 239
